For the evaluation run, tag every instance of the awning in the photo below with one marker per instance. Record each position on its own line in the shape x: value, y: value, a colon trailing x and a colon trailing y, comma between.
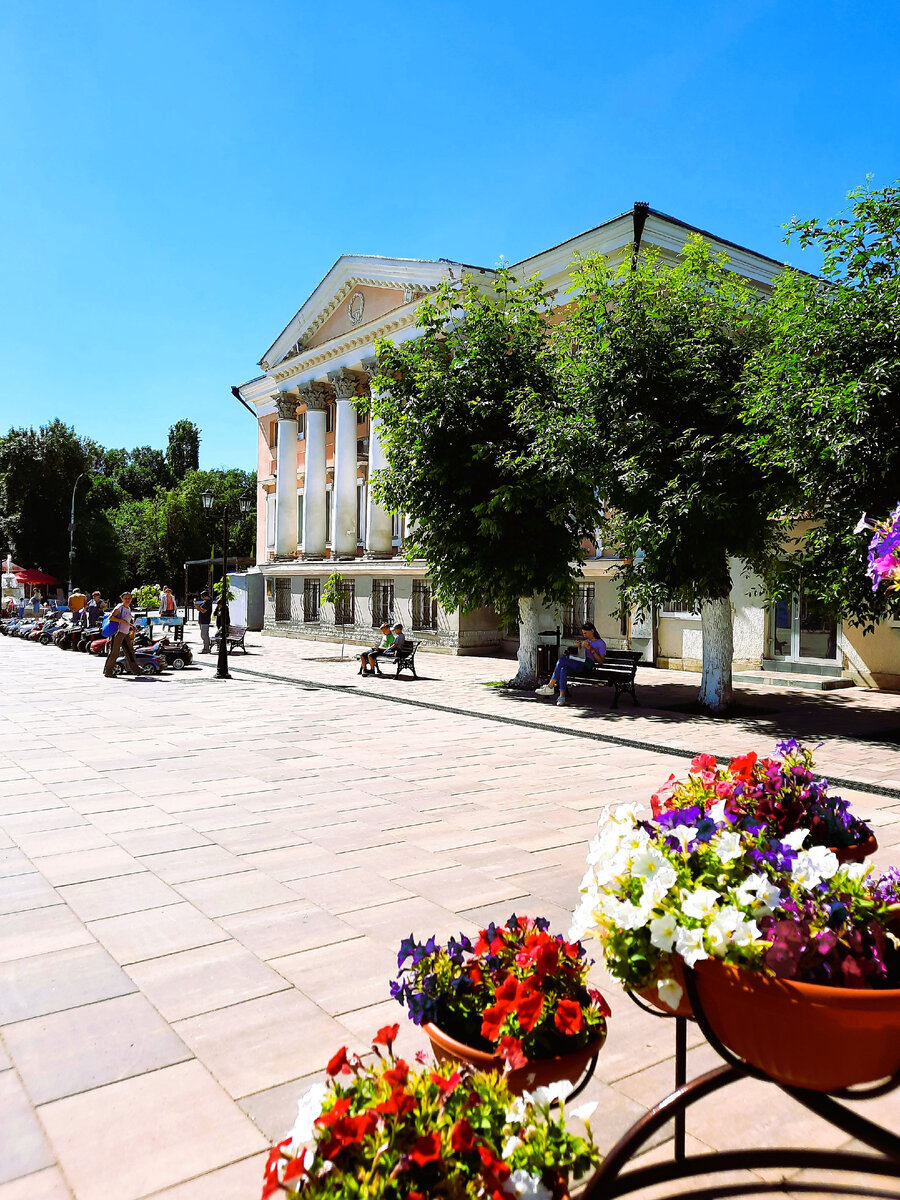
x: 31, y: 576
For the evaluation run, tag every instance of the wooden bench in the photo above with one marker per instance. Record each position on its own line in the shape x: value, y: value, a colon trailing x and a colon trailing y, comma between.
x: 235, y: 639
x: 404, y: 658
x: 618, y: 671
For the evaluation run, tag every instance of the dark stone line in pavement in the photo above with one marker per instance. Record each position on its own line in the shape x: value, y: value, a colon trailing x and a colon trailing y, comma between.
x: 612, y: 739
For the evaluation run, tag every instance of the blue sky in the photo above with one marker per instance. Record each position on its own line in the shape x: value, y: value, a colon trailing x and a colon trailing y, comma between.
x: 176, y: 178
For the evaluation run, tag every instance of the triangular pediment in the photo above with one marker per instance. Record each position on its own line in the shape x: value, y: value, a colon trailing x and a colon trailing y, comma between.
x: 359, y: 290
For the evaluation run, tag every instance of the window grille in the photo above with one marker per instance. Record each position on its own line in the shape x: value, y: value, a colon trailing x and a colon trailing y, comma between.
x: 282, y: 599
x: 311, y: 599
x: 345, y: 609
x: 580, y: 610
x: 676, y: 607
x: 382, y: 602
x: 424, y: 605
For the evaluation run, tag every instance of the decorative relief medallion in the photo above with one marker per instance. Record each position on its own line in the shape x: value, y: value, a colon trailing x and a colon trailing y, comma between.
x: 355, y: 307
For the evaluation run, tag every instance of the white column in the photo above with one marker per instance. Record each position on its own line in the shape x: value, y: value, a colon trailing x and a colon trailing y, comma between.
x: 343, y: 531
x: 315, y: 397
x: 286, y: 481
x: 379, y: 541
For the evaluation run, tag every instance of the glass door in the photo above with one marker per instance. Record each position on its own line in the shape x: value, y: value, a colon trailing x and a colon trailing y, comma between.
x: 803, y: 631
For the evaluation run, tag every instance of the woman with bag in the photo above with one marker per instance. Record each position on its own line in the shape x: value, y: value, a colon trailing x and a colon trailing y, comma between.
x: 118, y: 626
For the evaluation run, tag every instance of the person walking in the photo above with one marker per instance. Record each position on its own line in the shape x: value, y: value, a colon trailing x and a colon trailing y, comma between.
x: 95, y: 610
x: 77, y: 603
x: 204, y: 614
x: 121, y: 641
x: 167, y: 605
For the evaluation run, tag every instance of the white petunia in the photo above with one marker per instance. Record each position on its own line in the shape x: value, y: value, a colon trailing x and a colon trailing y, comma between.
x: 510, y: 1146
x: 727, y: 846
x: 699, y: 904
x: 683, y: 834
x: 550, y: 1092
x: 689, y: 944
x: 745, y: 933
x: 795, y: 838
x: 716, y: 812
x: 813, y: 866
x: 670, y: 992
x: 663, y: 931
x: 650, y: 865
x: 584, y: 1112
x: 309, y: 1107
x: 857, y: 870
x: 526, y: 1187
x: 716, y: 940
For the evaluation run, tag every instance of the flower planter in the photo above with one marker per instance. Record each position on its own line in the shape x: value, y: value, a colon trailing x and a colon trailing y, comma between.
x: 858, y: 851
x: 802, y: 1034
x: 651, y: 995
x: 536, y: 1073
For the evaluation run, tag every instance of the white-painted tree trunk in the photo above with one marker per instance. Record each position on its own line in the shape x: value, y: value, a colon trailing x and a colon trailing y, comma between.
x: 718, y: 654
x: 529, y: 628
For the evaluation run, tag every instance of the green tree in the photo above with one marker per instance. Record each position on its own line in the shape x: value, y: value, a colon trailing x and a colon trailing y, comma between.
x: 183, y: 453
x: 655, y: 380
x: 38, y: 470
x: 826, y: 391
x: 497, y: 524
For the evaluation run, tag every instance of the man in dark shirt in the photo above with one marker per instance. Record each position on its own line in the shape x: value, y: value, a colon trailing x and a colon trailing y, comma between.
x: 204, y: 613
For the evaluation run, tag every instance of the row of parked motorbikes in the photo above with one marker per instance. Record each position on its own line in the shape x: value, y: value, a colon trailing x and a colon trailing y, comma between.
x: 61, y: 630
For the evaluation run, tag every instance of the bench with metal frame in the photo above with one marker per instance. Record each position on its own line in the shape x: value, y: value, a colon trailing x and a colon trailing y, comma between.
x: 405, y: 658
x: 618, y: 670
x: 235, y: 639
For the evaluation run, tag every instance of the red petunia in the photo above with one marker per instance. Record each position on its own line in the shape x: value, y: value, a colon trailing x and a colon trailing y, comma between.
x: 703, y: 762
x: 296, y: 1168
x: 462, y: 1137
x: 742, y: 766
x: 569, y: 1018
x: 350, y: 1131
x: 339, y: 1109
x: 494, y: 1170
x: 386, y: 1036
x: 529, y: 1003
x: 492, y: 1020
x: 398, y: 1074
x: 271, y: 1182
x: 600, y: 1000
x: 445, y: 1086
x: 426, y: 1150
x: 398, y: 1104
x: 510, y: 1049
x: 339, y: 1063
x: 506, y: 992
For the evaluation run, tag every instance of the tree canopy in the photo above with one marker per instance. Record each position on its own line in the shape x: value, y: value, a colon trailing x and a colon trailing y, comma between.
x: 655, y: 383
x: 824, y: 395
x: 497, y: 523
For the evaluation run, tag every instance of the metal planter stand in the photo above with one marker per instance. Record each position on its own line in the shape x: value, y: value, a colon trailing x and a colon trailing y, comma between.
x: 610, y: 1182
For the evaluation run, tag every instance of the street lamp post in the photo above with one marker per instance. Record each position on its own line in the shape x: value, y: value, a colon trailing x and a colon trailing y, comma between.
x: 245, y: 504
x: 72, y: 533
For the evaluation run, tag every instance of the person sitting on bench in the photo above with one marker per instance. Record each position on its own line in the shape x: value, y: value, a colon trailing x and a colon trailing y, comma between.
x: 398, y: 643
x: 594, y: 654
x: 367, y: 659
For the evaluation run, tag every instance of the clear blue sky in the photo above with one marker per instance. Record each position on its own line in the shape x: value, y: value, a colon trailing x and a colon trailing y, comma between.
x: 177, y: 177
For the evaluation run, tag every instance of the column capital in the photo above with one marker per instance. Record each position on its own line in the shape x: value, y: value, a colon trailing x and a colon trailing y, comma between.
x: 345, y: 384
x: 315, y: 395
x: 286, y: 403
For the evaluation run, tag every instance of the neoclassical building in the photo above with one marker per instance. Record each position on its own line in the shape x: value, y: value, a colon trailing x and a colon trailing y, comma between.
x: 316, y: 514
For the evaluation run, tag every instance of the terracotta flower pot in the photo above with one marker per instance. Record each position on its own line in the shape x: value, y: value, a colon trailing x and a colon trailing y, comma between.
x: 858, y: 851
x: 802, y: 1034
x: 536, y: 1073
x: 651, y: 995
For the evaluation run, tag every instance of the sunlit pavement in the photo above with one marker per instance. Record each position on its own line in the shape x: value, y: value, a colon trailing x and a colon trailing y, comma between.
x: 203, y: 885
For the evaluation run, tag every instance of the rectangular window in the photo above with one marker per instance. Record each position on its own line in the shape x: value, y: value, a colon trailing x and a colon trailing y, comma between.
x: 579, y: 611
x: 329, y: 497
x: 270, y: 520
x: 329, y: 419
x: 361, y: 513
x: 311, y: 600
x: 424, y: 605
x: 345, y: 610
x: 382, y: 602
x: 273, y: 436
x: 282, y: 599
x: 301, y: 427
x: 675, y: 607
x: 299, y: 518
x: 395, y: 526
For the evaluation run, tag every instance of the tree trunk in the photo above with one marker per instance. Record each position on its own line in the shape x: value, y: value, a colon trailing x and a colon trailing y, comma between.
x: 718, y: 654
x: 529, y: 621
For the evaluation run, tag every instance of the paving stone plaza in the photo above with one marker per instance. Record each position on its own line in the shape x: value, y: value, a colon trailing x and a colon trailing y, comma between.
x: 203, y: 885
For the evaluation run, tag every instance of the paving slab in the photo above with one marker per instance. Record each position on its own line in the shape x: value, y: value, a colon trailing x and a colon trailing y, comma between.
x: 212, y: 905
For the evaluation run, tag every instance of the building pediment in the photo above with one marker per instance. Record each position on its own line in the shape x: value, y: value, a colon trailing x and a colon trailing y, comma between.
x: 359, y: 290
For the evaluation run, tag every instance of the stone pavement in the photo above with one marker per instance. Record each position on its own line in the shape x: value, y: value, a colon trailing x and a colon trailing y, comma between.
x: 203, y: 886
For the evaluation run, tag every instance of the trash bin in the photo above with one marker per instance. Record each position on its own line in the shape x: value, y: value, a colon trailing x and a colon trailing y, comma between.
x: 546, y: 661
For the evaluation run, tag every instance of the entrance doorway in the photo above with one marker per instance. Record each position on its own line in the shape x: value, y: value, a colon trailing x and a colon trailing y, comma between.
x: 803, y: 636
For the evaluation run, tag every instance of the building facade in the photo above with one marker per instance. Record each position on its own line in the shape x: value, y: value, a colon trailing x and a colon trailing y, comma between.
x: 316, y: 514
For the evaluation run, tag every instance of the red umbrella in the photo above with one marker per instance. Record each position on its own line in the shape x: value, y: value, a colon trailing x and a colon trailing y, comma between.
x: 31, y: 576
